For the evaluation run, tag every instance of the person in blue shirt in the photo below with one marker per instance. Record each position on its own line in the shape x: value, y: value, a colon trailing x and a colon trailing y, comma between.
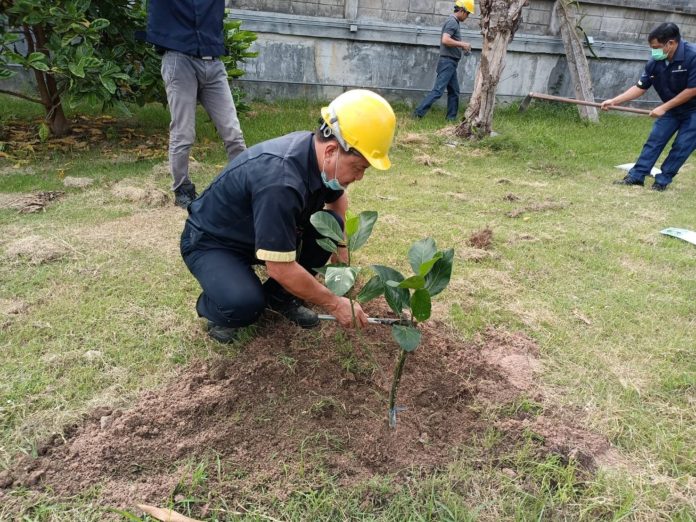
x: 672, y: 71
x: 257, y: 212
x: 189, y: 34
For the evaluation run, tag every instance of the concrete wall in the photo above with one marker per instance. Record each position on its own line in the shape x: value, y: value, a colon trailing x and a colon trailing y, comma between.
x: 317, y: 48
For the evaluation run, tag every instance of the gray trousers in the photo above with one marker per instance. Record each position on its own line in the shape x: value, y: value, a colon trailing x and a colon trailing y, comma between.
x: 188, y: 80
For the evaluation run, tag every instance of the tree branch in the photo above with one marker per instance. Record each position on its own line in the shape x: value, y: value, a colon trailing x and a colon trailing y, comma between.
x: 23, y: 96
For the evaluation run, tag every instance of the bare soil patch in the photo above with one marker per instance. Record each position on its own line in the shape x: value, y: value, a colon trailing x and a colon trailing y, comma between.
x: 295, y: 400
x: 482, y: 239
x: 71, y: 181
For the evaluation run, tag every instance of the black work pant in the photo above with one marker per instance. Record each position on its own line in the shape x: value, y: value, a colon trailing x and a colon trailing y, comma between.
x: 233, y: 295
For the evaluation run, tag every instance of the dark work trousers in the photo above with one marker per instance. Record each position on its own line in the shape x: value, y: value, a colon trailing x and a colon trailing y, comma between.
x: 233, y: 295
x: 684, y: 125
x: 446, y: 77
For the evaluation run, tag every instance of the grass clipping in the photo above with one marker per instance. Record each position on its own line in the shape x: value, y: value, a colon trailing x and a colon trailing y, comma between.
x: 36, y: 250
x: 148, y: 196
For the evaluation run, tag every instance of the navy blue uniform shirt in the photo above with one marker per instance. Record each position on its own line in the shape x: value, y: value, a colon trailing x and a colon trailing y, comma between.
x: 191, y: 27
x: 263, y: 197
x: 669, y: 79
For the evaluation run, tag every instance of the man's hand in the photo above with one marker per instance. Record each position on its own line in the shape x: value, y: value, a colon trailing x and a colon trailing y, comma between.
x: 466, y: 46
x: 607, y: 104
x: 657, y: 112
x: 343, y: 315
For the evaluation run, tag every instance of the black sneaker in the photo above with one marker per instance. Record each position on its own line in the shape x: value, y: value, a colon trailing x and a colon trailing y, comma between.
x: 629, y: 181
x: 294, y: 310
x: 185, y: 194
x: 658, y: 187
x: 222, y: 334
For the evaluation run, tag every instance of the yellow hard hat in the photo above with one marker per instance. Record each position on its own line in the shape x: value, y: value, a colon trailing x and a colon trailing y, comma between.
x: 362, y: 120
x: 466, y: 4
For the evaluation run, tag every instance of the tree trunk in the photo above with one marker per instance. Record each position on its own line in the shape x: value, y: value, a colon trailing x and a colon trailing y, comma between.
x: 577, y: 61
x: 46, y: 85
x: 499, y: 21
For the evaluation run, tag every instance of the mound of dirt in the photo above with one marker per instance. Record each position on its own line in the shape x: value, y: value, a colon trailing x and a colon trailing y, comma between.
x: 151, y: 197
x: 481, y: 239
x: 36, y: 250
x: 291, y: 399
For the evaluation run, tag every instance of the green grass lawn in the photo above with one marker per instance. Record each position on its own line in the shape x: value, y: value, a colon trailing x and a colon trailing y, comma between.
x: 582, y: 269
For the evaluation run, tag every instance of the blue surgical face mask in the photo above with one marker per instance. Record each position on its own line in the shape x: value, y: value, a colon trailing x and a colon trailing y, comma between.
x: 659, y: 54
x: 331, y: 184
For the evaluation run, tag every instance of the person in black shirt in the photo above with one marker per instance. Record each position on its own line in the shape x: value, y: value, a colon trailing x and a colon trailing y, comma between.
x: 257, y: 211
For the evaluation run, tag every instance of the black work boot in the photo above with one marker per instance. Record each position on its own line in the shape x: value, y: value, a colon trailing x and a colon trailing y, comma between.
x: 289, y: 306
x: 222, y: 334
x: 184, y: 194
x: 627, y: 180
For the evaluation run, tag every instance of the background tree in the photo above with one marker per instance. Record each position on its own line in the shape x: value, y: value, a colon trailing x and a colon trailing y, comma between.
x: 500, y: 20
x: 83, y: 51
x: 565, y: 11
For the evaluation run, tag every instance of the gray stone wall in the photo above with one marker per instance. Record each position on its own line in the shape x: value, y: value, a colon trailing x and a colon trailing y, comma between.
x: 608, y: 20
x: 392, y: 46
x: 631, y: 22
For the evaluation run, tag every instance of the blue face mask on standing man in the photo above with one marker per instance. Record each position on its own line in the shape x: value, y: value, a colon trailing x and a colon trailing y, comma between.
x: 659, y: 54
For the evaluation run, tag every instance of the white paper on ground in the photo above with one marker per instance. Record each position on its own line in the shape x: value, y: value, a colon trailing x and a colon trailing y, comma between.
x: 687, y: 235
x: 628, y: 166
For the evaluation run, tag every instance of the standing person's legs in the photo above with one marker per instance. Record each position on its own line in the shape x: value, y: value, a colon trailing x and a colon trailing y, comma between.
x: 216, y: 97
x: 684, y: 144
x: 444, y: 71
x: 181, y: 85
x: 453, y: 96
x: 663, y: 129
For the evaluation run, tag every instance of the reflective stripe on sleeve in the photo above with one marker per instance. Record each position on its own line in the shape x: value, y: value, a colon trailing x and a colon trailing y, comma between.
x: 280, y: 257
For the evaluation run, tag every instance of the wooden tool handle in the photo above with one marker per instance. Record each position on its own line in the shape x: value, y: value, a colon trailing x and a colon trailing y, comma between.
x: 550, y: 97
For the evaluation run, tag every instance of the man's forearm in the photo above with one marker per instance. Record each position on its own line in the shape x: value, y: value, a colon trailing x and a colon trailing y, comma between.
x: 630, y: 94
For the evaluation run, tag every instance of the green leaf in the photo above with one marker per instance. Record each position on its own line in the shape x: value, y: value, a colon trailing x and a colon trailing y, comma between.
x: 6, y: 73
x: 439, y: 277
x: 340, y: 279
x: 78, y: 69
x: 40, y: 66
x: 415, y: 282
x: 36, y: 57
x: 421, y: 305
x: 421, y: 252
x: 327, y: 245
x: 428, y: 265
x: 352, y: 224
x: 44, y: 132
x: 407, y: 337
x: 327, y: 225
x: 367, y: 221
x: 108, y: 84
x: 99, y: 24
x: 374, y: 288
x: 396, y: 298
